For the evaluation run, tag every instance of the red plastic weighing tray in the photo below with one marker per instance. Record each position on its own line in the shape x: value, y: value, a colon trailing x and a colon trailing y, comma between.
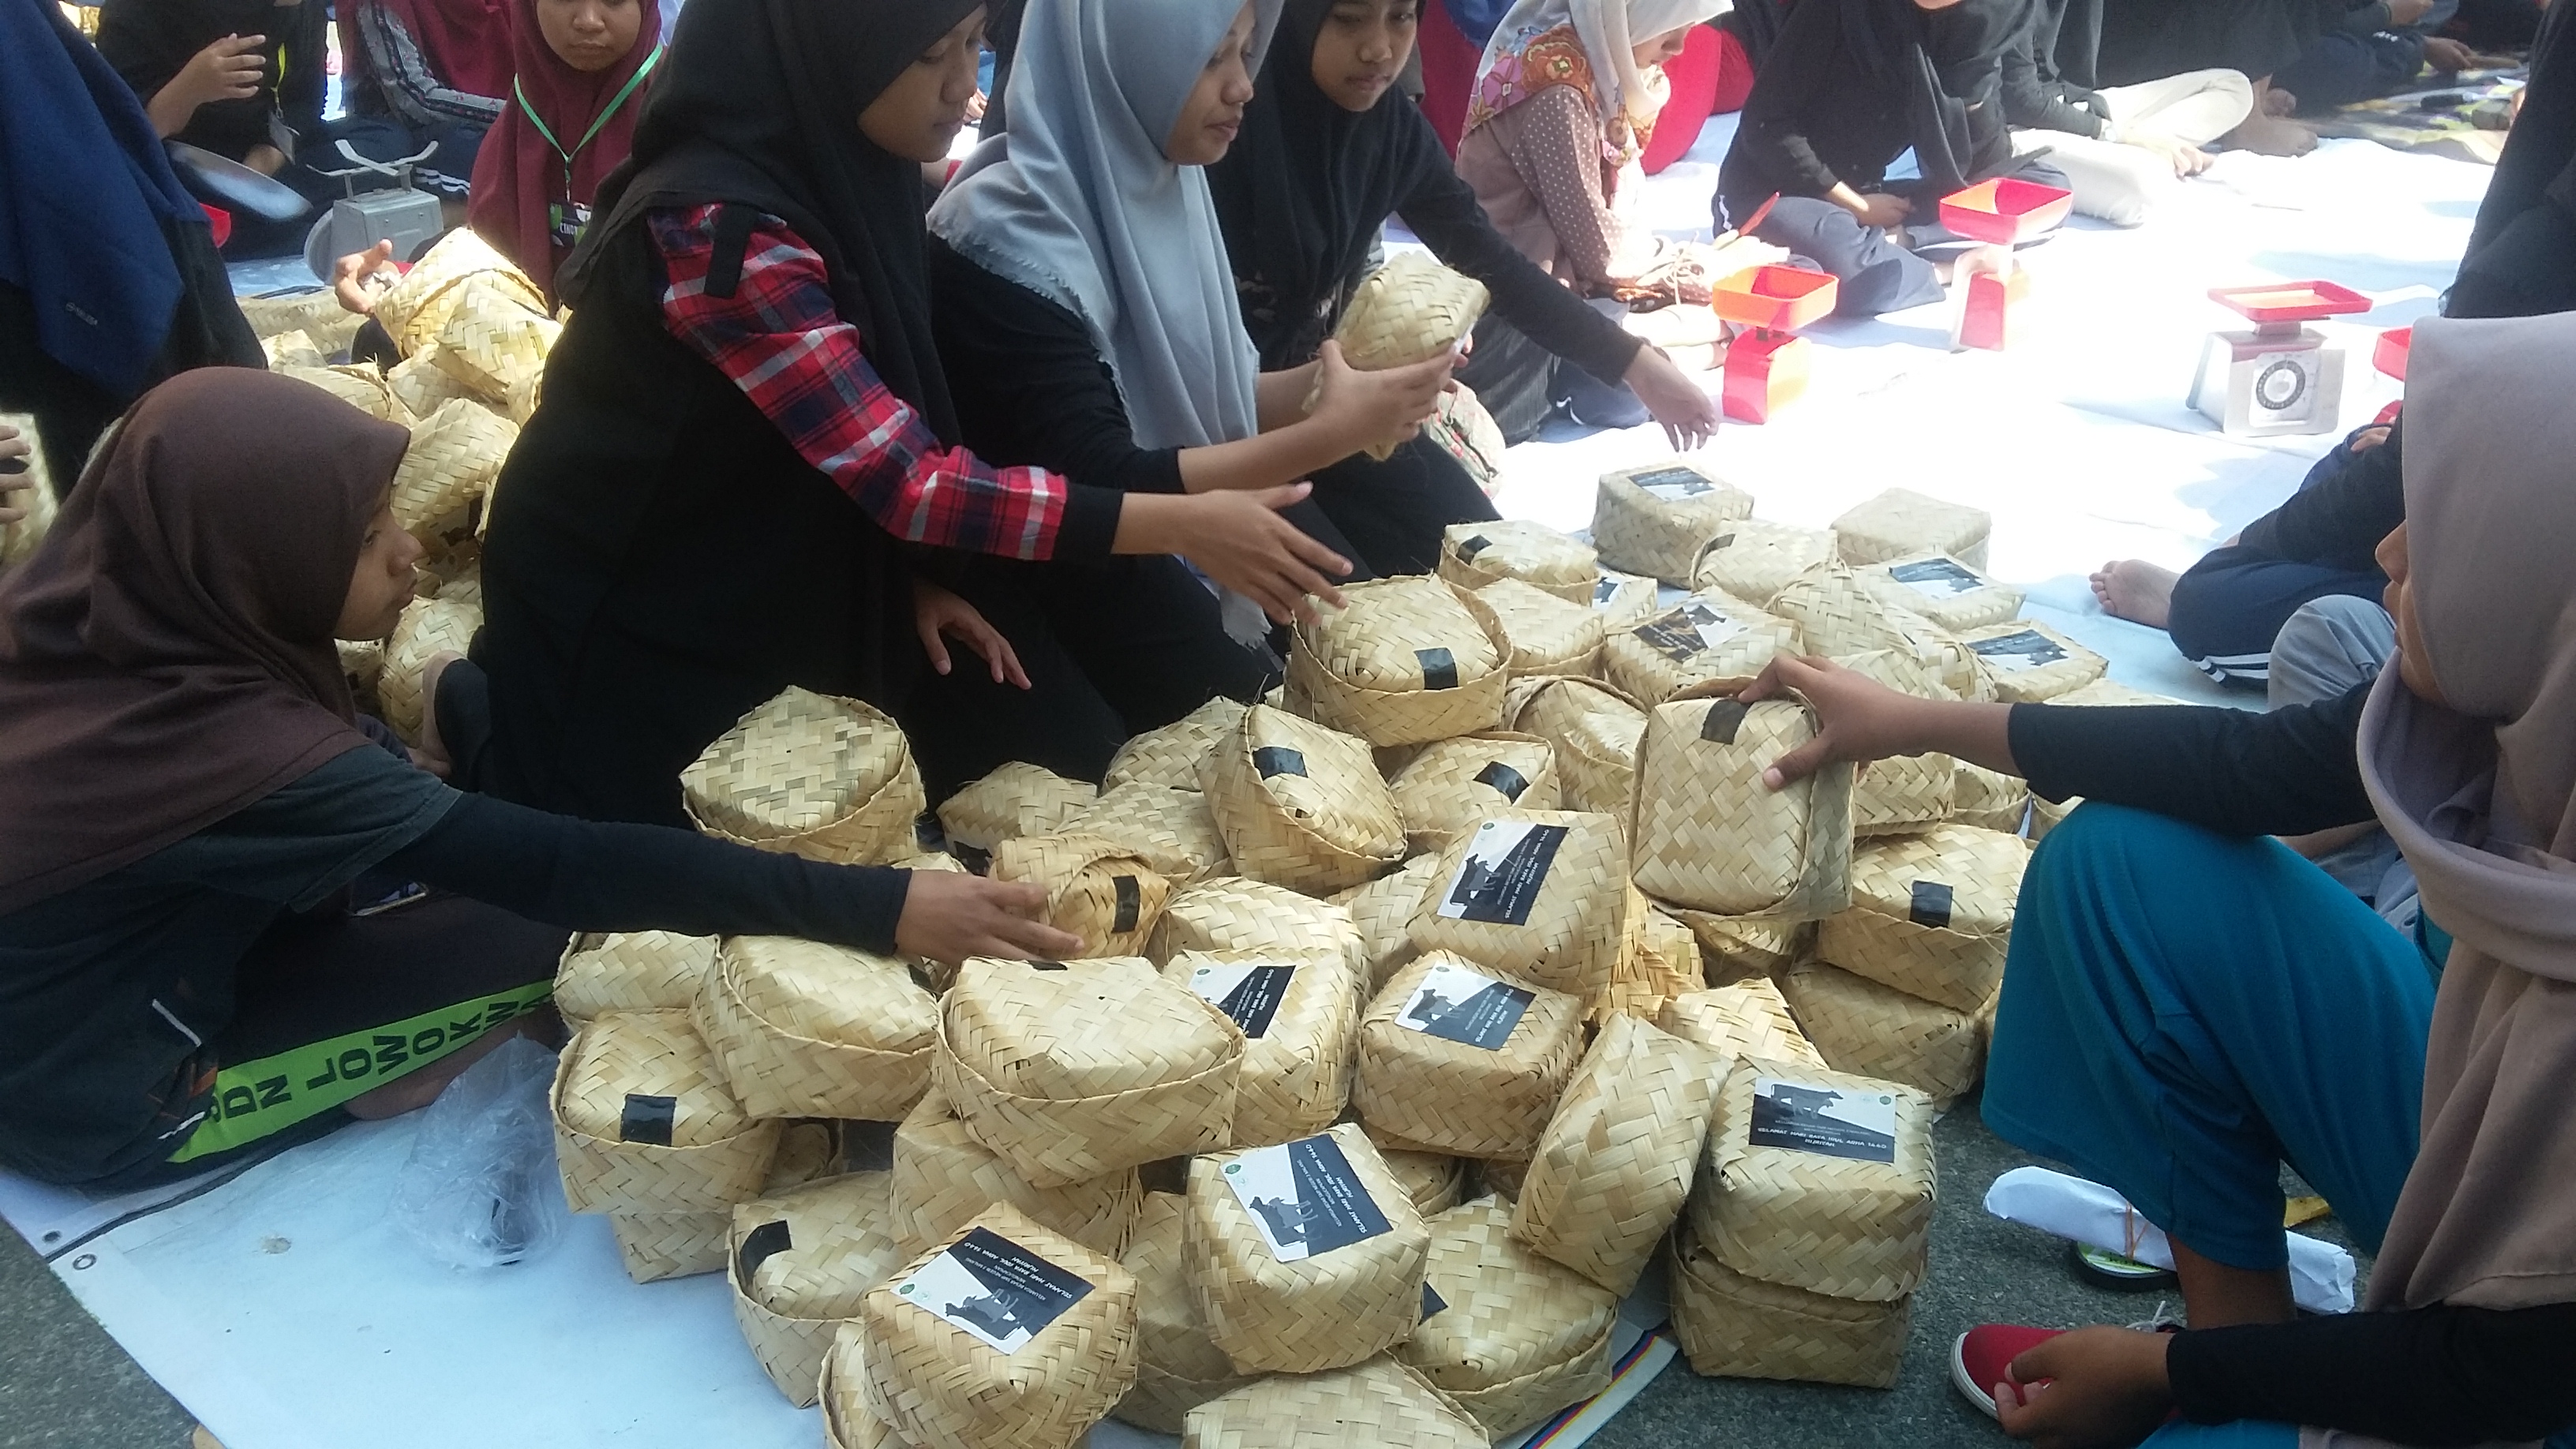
x: 2290, y: 301
x: 2390, y: 355
x: 2005, y: 210
x: 1783, y: 299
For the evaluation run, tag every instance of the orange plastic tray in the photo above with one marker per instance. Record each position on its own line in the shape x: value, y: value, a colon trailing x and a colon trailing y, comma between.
x: 1783, y: 299
x: 2005, y: 210
x: 2290, y: 301
x: 2390, y: 355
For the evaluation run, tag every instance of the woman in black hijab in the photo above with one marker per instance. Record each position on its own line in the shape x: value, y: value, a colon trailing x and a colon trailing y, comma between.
x: 1847, y: 88
x: 1329, y: 150
x: 747, y: 438
x: 2521, y: 259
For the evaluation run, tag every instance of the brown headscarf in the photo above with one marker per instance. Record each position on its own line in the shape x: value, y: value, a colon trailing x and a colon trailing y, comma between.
x: 166, y: 655
x: 2481, y: 796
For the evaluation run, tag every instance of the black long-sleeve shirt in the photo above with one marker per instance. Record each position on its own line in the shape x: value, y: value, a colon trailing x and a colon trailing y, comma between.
x: 2290, y: 772
x: 2036, y: 94
x: 150, y: 41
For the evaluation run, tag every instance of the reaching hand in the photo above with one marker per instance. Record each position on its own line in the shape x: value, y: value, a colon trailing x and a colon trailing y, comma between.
x: 360, y: 277
x: 15, y: 449
x: 1882, y: 211
x: 2108, y: 1386
x: 1858, y: 718
x: 228, y: 70
x: 938, y: 616
x: 1684, y: 408
x: 2186, y: 158
x: 1237, y: 538
x: 949, y: 916
x: 1378, y: 409
x: 2448, y: 56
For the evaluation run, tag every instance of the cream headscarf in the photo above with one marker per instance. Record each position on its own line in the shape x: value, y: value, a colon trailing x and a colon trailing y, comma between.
x: 2480, y: 793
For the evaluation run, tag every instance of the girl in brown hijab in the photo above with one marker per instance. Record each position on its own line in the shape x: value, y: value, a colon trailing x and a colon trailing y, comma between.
x: 187, y: 800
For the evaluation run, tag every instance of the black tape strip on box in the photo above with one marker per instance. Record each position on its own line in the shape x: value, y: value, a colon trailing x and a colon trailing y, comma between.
x: 1469, y: 548
x: 1274, y: 760
x: 1439, y: 668
x: 1724, y: 718
x: 1502, y: 778
x: 1931, y: 904
x: 647, y: 1119
x: 759, y: 1246
x: 1131, y: 901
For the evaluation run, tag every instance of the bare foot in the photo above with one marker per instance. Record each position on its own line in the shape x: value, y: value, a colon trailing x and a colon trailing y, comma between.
x: 2137, y: 591
x: 2271, y: 136
x: 2271, y: 100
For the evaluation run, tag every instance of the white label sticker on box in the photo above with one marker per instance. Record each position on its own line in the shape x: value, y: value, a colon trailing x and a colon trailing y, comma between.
x: 1827, y: 1121
x: 1689, y: 631
x: 994, y: 1289
x: 2020, y: 652
x: 1505, y: 869
x: 1248, y: 991
x: 1459, y: 1005
x: 1304, y: 1197
x: 1673, y: 484
x: 1938, y: 577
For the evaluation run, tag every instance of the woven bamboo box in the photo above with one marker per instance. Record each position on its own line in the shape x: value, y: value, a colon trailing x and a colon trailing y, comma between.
x: 631, y: 971
x: 1711, y: 836
x: 1900, y: 523
x: 493, y: 341
x: 1931, y: 914
x: 1736, y: 948
x: 317, y: 314
x: 1230, y: 913
x: 1073, y: 1070
x: 1657, y: 519
x: 1708, y: 640
x: 415, y: 309
x: 1172, y: 829
x: 654, y: 1246
x: 809, y: 774
x: 1407, y: 661
x: 1436, y: 1180
x: 1450, y: 786
x: 2046, y: 814
x: 1097, y: 889
x: 1427, y: 1074
x: 1594, y: 730
x: 1902, y: 794
x: 847, y: 1421
x: 1300, y: 1014
x: 1178, y: 1367
x: 1382, y: 911
x: 1409, y: 311
x: 1660, y: 960
x: 1941, y: 589
x: 292, y: 349
x: 2029, y: 663
x: 801, y: 1029
x: 1746, y: 1019
x: 1988, y: 799
x: 1818, y: 1180
x: 420, y: 387
x: 1732, y: 1326
x: 455, y: 457
x: 360, y: 386
x: 429, y: 628
x: 798, y: 1264
x: 1615, y: 1165
x: 1381, y: 1403
x: 1015, y: 800
x: 1302, y: 805
x: 1755, y: 559
x: 1838, y: 618
x: 1876, y: 1031
x: 1623, y: 600
x: 943, y: 1177
x: 1305, y: 1256
x: 1174, y: 754
x: 1540, y: 895
x: 644, y: 1122
x: 1538, y: 632
x: 1510, y: 1335
x: 1007, y: 1337
x: 1473, y: 555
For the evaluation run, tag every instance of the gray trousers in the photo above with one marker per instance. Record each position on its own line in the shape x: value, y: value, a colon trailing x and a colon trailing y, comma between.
x: 2327, y: 648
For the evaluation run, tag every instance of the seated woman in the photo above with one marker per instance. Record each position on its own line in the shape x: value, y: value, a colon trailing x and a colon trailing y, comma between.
x: 746, y: 428
x: 1565, y: 98
x: 2187, y: 1006
x: 583, y: 69
x: 2521, y: 258
x: 2143, y: 40
x: 241, y: 78
x: 423, y: 71
x: 1846, y: 89
x: 1328, y: 151
x: 187, y: 799
x: 2122, y: 148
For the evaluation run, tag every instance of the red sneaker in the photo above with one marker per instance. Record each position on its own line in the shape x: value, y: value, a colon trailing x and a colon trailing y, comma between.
x: 1982, y: 1358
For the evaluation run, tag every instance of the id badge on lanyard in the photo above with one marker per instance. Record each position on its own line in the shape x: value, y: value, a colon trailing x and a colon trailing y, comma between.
x: 565, y: 221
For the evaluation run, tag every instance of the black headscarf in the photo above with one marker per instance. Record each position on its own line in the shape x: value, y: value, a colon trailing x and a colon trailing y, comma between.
x: 1302, y: 191
x: 1944, y: 62
x: 758, y: 104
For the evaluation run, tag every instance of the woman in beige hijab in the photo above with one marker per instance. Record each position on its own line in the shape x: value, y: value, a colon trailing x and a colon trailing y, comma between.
x: 2186, y: 1008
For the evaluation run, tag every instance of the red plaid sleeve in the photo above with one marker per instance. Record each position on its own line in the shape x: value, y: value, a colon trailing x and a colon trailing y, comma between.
x: 781, y: 341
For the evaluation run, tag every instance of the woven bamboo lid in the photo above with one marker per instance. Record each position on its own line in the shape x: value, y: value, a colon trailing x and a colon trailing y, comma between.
x: 645, y: 1123
x: 1436, y: 1180
x: 1381, y: 912
x: 455, y: 456
x: 847, y: 1421
x: 1450, y: 786
x: 1178, y: 1367
x: 799, y: 1263
x: 1659, y: 960
x: 1594, y: 730
x: 361, y: 387
x: 1731, y: 1326
x: 420, y: 387
x: 1073, y: 1070
x: 1711, y: 836
x: 1172, y: 829
x: 493, y: 341
x: 1746, y: 1019
x: 1880, y: 1032
x: 17, y: 540
x: 2030, y: 663
x: 1931, y: 914
x: 809, y: 774
x: 1174, y: 754
x: 1539, y: 632
x: 1301, y: 805
x: 1706, y: 640
x: 1230, y: 913
x: 415, y: 309
x: 429, y: 627
x: 928, y: 1339
x: 1656, y: 519
x: 1941, y: 589
x: 631, y: 971
x: 1615, y: 1165
x: 291, y: 349
x: 1461, y: 1096
x: 1988, y: 799
x: 1540, y: 894
x: 1623, y: 600
x: 1381, y: 1403
x: 1473, y: 555
x: 1300, y: 1014
x: 1838, y: 618
x: 1737, y: 948
x: 1411, y: 310
x: 2111, y: 692
x: 1510, y: 1335
x: 317, y: 313
x: 1900, y: 523
x: 1755, y: 559
x: 1902, y: 794
x: 802, y: 1029
x: 1407, y: 661
x: 1818, y: 1180
x: 1015, y: 800
x: 655, y: 1246
x: 1097, y: 889
x: 1304, y: 1256
x: 943, y: 1177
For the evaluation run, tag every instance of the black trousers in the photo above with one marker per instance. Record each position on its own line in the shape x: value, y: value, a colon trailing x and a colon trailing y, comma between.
x: 2230, y: 606
x: 1388, y: 517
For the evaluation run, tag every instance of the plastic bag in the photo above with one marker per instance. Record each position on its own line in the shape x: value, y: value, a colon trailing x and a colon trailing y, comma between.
x: 478, y: 1190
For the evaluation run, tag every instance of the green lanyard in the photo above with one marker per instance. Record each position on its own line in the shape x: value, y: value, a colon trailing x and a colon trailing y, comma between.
x: 607, y: 111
